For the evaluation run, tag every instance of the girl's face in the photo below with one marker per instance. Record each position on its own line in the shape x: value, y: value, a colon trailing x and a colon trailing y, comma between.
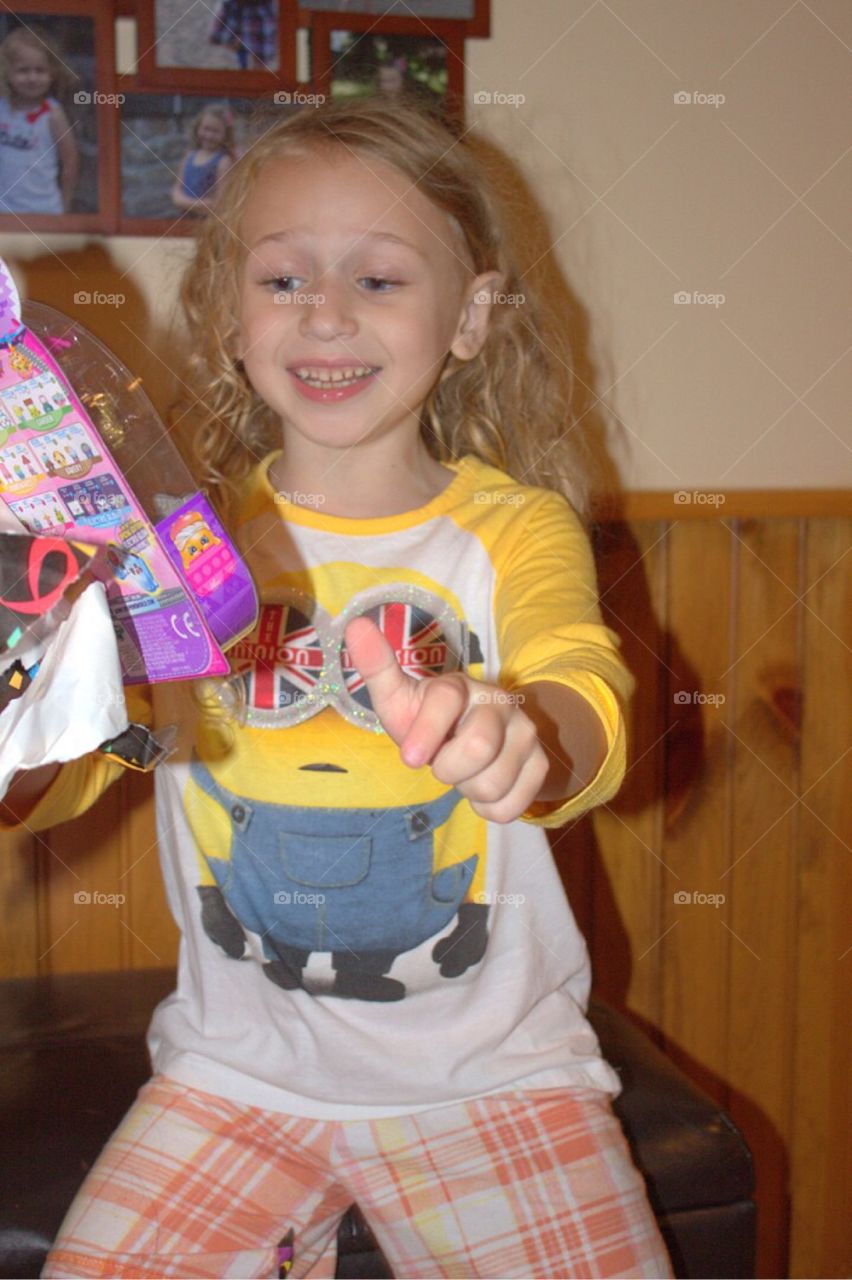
x: 29, y: 74
x: 210, y: 133
x: 354, y: 289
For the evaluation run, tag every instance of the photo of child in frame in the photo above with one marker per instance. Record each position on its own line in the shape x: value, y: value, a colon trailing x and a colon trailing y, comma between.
x: 211, y: 155
x: 176, y: 147
x: 365, y: 63
x: 48, y: 130
x: 239, y: 35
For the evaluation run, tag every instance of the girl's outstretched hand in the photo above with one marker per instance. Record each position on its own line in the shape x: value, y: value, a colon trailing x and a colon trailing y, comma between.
x: 474, y: 736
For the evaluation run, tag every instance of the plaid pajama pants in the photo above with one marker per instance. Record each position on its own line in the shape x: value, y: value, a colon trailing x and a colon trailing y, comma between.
x: 529, y: 1183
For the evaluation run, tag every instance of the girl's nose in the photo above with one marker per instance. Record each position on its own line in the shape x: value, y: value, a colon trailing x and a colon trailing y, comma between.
x: 327, y: 313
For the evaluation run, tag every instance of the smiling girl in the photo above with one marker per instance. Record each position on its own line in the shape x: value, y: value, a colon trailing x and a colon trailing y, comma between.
x: 382, y: 989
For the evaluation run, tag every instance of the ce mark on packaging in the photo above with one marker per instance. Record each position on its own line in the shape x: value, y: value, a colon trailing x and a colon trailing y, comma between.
x: 185, y: 625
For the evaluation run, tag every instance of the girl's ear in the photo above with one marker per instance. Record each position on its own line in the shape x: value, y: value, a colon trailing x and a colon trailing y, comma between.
x: 475, y: 315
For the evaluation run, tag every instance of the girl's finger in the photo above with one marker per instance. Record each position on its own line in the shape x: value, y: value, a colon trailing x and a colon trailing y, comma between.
x: 443, y: 701
x: 477, y: 743
x: 392, y: 692
x: 521, y: 795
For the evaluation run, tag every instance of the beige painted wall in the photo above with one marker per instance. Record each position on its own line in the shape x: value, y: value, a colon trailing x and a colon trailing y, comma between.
x: 747, y: 198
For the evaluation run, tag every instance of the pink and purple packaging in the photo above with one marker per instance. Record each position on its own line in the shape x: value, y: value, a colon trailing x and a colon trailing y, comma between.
x: 84, y: 456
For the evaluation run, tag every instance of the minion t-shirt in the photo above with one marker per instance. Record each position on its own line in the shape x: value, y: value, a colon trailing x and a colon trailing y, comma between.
x: 357, y: 941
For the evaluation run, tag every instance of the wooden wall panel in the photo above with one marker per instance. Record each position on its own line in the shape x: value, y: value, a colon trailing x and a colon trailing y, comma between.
x: 82, y: 859
x: 695, y: 944
x: 821, y: 1146
x: 760, y: 879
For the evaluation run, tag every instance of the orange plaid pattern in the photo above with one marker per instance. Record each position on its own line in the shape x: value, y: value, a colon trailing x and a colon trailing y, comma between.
x: 532, y: 1183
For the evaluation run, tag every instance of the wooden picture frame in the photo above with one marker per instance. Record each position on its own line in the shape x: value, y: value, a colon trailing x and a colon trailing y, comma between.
x: 399, y: 34
x: 89, y: 100
x: 194, y: 29
x: 473, y: 16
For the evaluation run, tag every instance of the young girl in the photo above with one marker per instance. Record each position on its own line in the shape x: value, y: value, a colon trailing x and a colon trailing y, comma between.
x: 207, y: 161
x: 39, y: 160
x: 381, y: 986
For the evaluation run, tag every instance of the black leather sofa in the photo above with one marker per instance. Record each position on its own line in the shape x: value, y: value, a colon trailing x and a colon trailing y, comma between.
x: 72, y: 1056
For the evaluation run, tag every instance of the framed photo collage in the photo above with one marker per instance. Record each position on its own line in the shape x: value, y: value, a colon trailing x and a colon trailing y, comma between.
x: 85, y: 146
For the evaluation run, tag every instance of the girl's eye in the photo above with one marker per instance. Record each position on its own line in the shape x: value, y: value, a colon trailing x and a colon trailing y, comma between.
x: 378, y: 284
x: 284, y: 284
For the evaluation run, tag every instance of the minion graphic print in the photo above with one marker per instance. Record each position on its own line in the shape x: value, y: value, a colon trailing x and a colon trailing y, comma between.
x: 313, y: 836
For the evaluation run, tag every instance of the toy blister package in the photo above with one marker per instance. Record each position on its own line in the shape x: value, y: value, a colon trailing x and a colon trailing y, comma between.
x: 84, y: 456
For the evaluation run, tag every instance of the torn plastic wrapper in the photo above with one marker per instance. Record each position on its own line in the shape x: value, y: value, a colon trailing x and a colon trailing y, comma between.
x: 51, y: 712
x: 77, y: 702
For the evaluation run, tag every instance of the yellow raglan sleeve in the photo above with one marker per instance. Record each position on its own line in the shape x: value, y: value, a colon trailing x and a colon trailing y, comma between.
x: 81, y: 782
x: 549, y: 627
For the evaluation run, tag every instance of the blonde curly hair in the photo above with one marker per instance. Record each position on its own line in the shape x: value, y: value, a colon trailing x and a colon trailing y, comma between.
x: 510, y: 405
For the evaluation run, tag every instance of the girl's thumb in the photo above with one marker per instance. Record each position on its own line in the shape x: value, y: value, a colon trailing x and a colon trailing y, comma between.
x: 389, y: 688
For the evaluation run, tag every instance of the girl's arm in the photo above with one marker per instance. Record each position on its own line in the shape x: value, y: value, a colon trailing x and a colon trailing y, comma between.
x: 69, y: 155
x: 571, y: 732
x: 53, y: 793
x: 224, y: 165
x: 25, y: 791
x: 180, y: 199
x: 557, y: 652
x: 546, y: 754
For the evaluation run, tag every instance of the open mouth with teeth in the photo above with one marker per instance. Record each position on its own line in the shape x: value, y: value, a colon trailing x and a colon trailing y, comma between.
x: 325, y: 379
